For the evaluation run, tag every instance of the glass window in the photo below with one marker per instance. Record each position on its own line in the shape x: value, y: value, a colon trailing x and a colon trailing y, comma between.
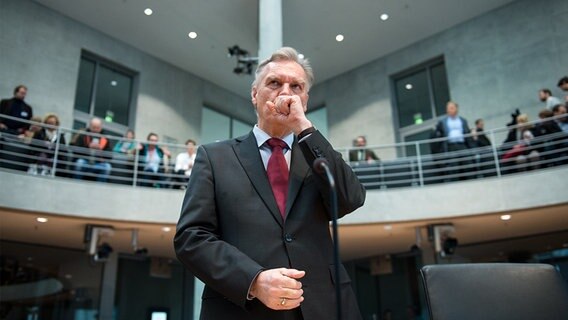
x: 424, y: 147
x: 85, y: 85
x: 216, y: 126
x: 40, y: 282
x: 413, y: 99
x: 318, y: 117
x: 440, y: 88
x: 104, y: 90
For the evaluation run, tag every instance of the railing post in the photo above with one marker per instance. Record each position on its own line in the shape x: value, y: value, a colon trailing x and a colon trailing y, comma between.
x: 56, y: 152
x: 135, y: 173
x: 495, y: 155
x: 419, y: 161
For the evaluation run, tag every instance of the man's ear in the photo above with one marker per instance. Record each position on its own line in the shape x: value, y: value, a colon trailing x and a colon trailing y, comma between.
x: 253, y: 93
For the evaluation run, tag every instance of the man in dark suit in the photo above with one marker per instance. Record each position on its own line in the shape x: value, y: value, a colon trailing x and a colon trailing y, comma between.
x: 17, y: 108
x: 254, y: 233
x: 361, y: 154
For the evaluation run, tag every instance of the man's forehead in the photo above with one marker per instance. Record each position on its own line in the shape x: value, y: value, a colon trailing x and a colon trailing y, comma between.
x: 292, y: 69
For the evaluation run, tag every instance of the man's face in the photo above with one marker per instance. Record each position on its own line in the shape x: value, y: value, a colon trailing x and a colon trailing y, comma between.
x: 360, y: 142
x: 451, y: 109
x: 96, y: 126
x: 561, y: 111
x: 542, y: 96
x: 279, y: 78
x: 190, y: 147
x: 480, y: 125
x: 152, y: 140
x: 564, y: 86
x: 21, y: 93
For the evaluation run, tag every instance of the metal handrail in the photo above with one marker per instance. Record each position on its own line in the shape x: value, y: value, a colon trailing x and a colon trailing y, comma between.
x: 393, y: 170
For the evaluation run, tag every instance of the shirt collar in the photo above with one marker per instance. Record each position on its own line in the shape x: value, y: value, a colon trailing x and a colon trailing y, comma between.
x: 262, y: 137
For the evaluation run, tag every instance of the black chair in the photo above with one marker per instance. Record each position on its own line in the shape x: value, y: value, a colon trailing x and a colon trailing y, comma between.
x: 495, y: 291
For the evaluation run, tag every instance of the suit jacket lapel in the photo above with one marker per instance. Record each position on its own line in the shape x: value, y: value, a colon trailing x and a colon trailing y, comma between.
x: 298, y: 171
x: 249, y: 157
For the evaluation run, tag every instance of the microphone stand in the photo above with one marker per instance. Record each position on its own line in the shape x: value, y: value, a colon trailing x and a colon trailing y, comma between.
x: 321, y: 165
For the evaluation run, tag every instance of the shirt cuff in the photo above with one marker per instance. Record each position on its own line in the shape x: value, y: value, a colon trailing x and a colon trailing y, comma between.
x: 306, y: 133
x: 249, y: 295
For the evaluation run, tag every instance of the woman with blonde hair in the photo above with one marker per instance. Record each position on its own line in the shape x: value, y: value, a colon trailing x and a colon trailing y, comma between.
x: 519, y: 147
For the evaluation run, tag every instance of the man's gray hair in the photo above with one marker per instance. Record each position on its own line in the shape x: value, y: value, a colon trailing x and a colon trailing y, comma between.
x: 286, y: 54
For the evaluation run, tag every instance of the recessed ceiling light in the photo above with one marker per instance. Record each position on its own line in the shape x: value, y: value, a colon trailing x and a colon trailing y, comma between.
x: 339, y: 37
x: 113, y: 83
x: 388, y: 227
x: 148, y: 11
x: 41, y: 219
x: 166, y: 229
x: 384, y: 17
x: 408, y: 86
x: 301, y: 56
x: 192, y: 35
x: 506, y: 217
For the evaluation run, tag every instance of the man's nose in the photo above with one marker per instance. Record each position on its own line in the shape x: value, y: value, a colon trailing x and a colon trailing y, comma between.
x: 285, y: 90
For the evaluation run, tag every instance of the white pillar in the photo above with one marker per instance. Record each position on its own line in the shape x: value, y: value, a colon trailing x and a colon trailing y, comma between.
x: 269, y: 27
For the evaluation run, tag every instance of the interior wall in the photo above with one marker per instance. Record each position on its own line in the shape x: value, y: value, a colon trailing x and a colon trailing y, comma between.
x: 495, y: 63
x: 41, y: 48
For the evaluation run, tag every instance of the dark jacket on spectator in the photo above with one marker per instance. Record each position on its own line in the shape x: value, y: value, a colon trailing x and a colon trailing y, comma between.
x: 83, y: 140
x: 440, y: 132
x: 15, y: 108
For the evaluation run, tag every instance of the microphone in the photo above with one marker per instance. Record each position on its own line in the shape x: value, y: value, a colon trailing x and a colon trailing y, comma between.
x: 321, y: 166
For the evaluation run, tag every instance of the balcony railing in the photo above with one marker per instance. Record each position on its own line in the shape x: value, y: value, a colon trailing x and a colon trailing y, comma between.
x: 411, y: 164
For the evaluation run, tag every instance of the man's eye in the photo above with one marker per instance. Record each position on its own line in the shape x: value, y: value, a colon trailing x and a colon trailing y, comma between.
x: 274, y: 83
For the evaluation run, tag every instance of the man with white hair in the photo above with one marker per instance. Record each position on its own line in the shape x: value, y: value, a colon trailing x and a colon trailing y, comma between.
x: 254, y: 223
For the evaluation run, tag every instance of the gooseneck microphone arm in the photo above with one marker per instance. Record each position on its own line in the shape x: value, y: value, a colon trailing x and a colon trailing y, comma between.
x: 321, y: 166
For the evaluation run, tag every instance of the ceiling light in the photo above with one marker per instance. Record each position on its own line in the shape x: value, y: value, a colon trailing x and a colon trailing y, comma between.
x: 113, y: 83
x: 192, y: 35
x: 388, y: 227
x: 41, y: 219
x: 408, y: 86
x: 506, y: 217
x: 148, y: 12
x: 384, y: 17
x: 166, y: 229
x: 301, y: 56
x: 339, y: 37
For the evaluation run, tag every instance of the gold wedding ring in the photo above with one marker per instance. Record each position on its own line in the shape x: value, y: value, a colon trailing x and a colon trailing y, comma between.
x: 282, y: 301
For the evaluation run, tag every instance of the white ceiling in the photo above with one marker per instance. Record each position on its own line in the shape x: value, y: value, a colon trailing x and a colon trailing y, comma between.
x: 309, y: 26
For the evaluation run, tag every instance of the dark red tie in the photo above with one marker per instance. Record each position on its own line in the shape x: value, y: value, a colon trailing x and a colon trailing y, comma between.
x: 277, y: 171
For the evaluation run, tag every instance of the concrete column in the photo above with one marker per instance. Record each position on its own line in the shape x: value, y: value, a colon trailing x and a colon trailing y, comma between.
x: 269, y: 27
x: 108, y: 287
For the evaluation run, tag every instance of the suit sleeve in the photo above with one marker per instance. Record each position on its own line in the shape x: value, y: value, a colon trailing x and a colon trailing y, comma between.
x: 198, y: 243
x: 350, y: 192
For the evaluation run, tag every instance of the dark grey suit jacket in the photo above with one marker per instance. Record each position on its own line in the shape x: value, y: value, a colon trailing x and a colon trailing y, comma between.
x: 230, y: 228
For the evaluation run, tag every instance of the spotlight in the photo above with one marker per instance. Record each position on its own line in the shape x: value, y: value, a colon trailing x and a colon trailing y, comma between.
x: 245, y: 63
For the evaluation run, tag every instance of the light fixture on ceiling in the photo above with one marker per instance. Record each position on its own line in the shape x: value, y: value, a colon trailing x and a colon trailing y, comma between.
x: 506, y: 217
x: 301, y: 56
x: 113, y: 83
x: 166, y: 229
x: 408, y: 86
x: 339, y: 38
x: 41, y: 219
x: 192, y: 35
x: 384, y: 17
x: 388, y: 227
x: 245, y: 63
x: 148, y: 11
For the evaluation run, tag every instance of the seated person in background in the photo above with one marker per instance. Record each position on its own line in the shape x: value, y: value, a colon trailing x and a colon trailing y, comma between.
x: 518, y: 145
x: 560, y: 110
x: 44, y: 143
x: 478, y: 136
x: 184, y: 164
x: 545, y: 95
x: 552, y: 139
x: 15, y: 107
x: 153, y: 162
x: 361, y: 154
x: 127, y: 145
x: 93, y: 151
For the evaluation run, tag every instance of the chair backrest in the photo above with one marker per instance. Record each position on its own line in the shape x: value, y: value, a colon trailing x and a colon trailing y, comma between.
x: 495, y: 291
